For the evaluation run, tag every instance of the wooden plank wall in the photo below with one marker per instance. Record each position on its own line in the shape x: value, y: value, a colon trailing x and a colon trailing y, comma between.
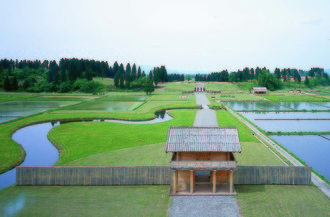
x: 93, y: 176
x: 272, y: 175
x: 152, y: 175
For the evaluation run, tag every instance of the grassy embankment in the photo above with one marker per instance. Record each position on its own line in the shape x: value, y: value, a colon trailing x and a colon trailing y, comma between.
x: 103, y: 138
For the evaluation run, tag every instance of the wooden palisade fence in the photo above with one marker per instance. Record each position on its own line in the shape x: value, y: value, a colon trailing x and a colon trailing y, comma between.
x: 151, y: 175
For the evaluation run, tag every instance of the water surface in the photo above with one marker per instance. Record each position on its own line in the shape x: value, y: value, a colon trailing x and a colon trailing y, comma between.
x: 240, y: 105
x: 271, y: 121
x: 39, y: 150
x: 314, y: 150
x: 303, y: 105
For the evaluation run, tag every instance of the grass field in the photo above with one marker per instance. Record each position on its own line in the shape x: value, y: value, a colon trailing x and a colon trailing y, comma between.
x: 220, y: 86
x: 253, y: 152
x: 274, y: 200
x: 84, y: 201
x: 234, y: 97
x: 95, y: 138
x: 144, y: 155
x: 4, y: 97
x: 296, y: 98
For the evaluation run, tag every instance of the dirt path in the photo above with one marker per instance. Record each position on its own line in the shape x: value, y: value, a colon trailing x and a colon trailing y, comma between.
x: 204, y: 205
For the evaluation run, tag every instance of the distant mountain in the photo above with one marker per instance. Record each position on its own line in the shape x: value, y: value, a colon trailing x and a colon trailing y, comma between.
x: 327, y: 70
x: 147, y: 69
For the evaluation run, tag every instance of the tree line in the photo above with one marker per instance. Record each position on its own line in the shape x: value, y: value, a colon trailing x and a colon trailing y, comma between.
x: 75, y: 75
x: 272, y: 80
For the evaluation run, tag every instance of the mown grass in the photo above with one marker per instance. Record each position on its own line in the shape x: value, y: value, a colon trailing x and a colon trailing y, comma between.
x: 4, y: 97
x: 145, y: 155
x: 234, y: 97
x: 274, y: 200
x: 295, y: 98
x: 94, y: 138
x: 105, y: 81
x: 220, y: 86
x: 253, y: 152
x: 84, y: 201
x: 179, y: 86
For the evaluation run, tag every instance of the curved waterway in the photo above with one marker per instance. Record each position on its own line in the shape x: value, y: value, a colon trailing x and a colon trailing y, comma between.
x: 41, y: 152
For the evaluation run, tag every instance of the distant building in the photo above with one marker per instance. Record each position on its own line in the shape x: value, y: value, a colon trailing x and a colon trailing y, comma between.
x: 259, y: 90
x: 202, y: 160
x: 199, y: 87
x: 294, y: 91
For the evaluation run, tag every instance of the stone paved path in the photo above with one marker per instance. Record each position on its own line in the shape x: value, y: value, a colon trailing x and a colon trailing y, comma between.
x: 205, y: 117
x: 204, y: 205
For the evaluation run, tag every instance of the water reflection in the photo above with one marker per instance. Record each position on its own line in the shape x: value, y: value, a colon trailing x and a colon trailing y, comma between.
x: 15, y: 206
x: 287, y: 121
x: 314, y: 150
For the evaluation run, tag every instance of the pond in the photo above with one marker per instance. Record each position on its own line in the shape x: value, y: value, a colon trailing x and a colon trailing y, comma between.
x: 280, y: 121
x: 14, y: 109
x: 107, y: 106
x: 303, y: 105
x: 266, y: 105
x: 240, y: 105
x: 314, y: 150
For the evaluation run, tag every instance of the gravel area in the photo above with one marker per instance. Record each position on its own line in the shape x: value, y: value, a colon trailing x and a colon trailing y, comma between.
x: 204, y: 206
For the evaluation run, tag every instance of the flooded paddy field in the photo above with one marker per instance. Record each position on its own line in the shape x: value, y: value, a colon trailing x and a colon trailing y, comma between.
x: 290, y: 121
x: 276, y: 106
x: 13, y: 109
x: 314, y: 150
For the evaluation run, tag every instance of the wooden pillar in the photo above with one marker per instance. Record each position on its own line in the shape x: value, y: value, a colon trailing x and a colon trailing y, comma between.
x: 177, y: 156
x: 231, y: 181
x: 214, y: 176
x: 192, y: 183
x: 175, y: 180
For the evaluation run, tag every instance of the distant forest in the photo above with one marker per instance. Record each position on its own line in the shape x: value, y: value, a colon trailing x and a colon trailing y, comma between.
x: 76, y: 75
x: 273, y: 81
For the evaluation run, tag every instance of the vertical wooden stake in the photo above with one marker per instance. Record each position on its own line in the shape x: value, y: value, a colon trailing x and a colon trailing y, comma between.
x: 214, y: 181
x: 231, y: 181
x: 174, y: 181
x: 192, y: 181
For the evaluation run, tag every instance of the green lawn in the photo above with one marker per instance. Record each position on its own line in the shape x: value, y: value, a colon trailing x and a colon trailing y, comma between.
x: 136, y: 156
x: 220, y: 86
x: 234, y: 97
x: 179, y: 86
x: 95, y: 138
x: 84, y: 201
x: 275, y: 200
x: 296, y: 98
x: 15, y: 96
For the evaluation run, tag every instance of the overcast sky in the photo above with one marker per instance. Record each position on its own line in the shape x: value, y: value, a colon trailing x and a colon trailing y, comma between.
x: 181, y: 34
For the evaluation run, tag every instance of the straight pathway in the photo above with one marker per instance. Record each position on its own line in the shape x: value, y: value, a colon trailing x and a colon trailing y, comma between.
x: 204, y: 205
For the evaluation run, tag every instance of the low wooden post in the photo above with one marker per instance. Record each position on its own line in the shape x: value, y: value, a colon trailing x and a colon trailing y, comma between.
x: 175, y: 177
x: 214, y: 181
x: 231, y: 181
x: 192, y: 181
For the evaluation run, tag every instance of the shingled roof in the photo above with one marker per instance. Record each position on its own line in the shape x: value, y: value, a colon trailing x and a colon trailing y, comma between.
x: 202, y: 139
